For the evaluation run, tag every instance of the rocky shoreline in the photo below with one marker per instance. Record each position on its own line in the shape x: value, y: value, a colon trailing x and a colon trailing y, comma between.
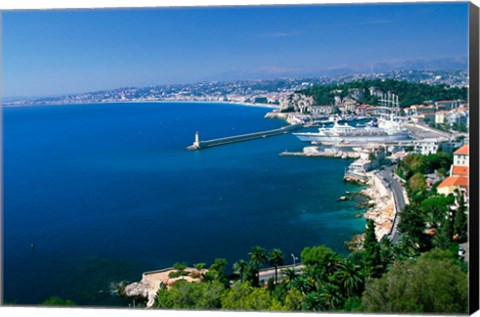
x: 151, y: 282
x: 382, y: 211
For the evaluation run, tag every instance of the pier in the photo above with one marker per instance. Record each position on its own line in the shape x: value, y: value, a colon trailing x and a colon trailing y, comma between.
x: 200, y: 145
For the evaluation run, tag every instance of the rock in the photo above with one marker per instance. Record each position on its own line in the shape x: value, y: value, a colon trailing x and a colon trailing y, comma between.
x: 137, y: 290
x: 276, y: 115
x: 356, y: 243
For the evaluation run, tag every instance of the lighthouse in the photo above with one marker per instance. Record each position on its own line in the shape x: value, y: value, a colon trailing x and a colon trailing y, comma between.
x: 197, y: 140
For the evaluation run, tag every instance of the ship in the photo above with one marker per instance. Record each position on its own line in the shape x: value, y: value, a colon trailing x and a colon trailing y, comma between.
x: 378, y: 130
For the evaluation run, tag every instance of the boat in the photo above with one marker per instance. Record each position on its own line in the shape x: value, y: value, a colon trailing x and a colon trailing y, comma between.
x: 379, y: 130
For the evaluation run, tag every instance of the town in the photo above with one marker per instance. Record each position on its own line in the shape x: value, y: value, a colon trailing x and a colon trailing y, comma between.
x: 262, y: 91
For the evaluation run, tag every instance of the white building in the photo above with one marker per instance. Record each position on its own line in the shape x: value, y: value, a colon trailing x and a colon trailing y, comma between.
x: 460, y: 156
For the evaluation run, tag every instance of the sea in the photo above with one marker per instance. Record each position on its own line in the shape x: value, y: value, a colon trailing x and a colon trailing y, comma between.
x: 96, y: 194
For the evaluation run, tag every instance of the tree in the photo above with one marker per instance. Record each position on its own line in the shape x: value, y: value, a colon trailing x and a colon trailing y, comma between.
x: 258, y: 257
x: 57, y: 301
x: 289, y: 274
x: 212, y: 294
x: 460, y: 220
x: 200, y: 266
x: 217, y: 271
x: 436, y: 209
x: 242, y: 296
x: 239, y: 268
x: 179, y: 270
x: 419, y: 287
x: 294, y: 300
x: 412, y: 224
x: 373, y: 259
x: 417, y: 182
x: 444, y: 237
x: 303, y: 283
x: 313, y: 302
x: 410, y: 93
x: 349, y: 278
x: 321, y: 257
x: 331, y: 296
x: 387, y: 252
x: 185, y: 295
x: 276, y: 259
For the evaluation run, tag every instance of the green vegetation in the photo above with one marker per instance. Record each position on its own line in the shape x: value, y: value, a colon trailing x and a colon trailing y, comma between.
x: 185, y: 295
x: 57, y: 301
x: 179, y: 270
x: 460, y: 224
x: 242, y: 296
x: 424, y: 164
x: 258, y: 257
x: 409, y: 93
x: 276, y: 259
x: 415, y: 286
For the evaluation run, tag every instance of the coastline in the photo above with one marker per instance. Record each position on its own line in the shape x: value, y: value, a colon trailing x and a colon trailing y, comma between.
x: 382, y: 210
x: 245, y: 104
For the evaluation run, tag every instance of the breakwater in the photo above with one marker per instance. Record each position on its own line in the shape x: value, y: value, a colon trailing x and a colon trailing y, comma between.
x: 199, y: 145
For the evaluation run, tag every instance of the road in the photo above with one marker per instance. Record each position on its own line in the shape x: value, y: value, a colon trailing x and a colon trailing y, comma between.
x: 268, y: 273
x: 396, y: 188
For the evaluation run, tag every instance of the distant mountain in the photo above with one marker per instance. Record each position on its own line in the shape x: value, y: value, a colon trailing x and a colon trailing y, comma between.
x: 451, y: 63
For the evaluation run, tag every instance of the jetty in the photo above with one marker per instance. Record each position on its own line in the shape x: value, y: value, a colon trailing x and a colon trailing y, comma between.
x: 200, y: 145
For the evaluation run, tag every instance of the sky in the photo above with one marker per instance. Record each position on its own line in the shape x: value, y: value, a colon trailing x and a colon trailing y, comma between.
x: 54, y: 52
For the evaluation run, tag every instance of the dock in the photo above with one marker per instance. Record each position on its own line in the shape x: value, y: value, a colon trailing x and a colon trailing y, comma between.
x: 200, y: 145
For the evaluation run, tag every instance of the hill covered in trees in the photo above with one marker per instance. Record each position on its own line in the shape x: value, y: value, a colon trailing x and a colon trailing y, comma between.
x: 409, y: 93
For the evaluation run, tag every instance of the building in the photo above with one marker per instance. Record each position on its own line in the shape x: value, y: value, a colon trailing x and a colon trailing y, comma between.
x: 448, y: 104
x: 458, y: 116
x: 450, y: 184
x: 459, y: 174
x: 370, y: 158
x: 456, y: 170
x: 427, y: 147
x: 427, y: 113
x: 440, y: 117
x: 321, y: 110
x: 361, y: 110
x: 350, y: 105
x: 460, y: 156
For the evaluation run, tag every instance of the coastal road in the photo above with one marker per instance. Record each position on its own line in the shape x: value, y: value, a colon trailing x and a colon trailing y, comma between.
x: 399, y: 199
x: 268, y: 273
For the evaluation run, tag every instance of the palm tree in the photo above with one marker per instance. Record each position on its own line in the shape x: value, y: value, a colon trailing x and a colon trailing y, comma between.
x: 349, y: 277
x: 276, y: 259
x: 332, y: 296
x: 303, y: 283
x: 258, y: 257
x: 289, y: 274
x: 239, y: 267
x: 313, y: 302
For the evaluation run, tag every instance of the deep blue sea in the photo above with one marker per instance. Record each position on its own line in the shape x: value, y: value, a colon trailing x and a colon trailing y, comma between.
x: 106, y: 192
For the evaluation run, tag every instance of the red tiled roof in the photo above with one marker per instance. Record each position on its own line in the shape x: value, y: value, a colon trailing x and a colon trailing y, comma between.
x: 460, y: 170
x: 463, y: 150
x: 458, y: 181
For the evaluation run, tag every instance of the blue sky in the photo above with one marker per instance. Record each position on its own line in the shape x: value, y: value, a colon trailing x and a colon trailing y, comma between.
x: 69, y: 51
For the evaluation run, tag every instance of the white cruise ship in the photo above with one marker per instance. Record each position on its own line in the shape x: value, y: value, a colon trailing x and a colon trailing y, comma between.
x: 378, y: 131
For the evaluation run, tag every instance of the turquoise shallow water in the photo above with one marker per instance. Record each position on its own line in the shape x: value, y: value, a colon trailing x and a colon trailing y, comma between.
x: 108, y: 191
